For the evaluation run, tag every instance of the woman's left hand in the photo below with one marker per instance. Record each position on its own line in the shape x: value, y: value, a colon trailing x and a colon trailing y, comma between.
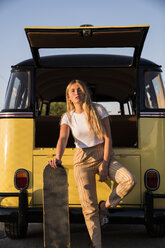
x: 103, y: 171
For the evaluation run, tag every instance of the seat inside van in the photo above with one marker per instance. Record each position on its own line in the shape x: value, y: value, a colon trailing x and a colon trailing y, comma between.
x: 123, y: 130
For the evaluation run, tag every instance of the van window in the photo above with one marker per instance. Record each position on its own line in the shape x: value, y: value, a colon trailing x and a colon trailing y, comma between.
x: 127, y: 51
x: 154, y: 91
x: 17, y: 95
x: 113, y: 108
x: 117, y: 108
x: 57, y: 108
x: 52, y: 108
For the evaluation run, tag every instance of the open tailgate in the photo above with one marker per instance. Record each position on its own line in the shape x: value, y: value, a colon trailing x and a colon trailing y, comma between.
x: 87, y: 37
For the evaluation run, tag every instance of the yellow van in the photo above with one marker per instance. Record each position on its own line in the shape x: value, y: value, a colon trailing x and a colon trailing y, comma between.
x: 130, y: 88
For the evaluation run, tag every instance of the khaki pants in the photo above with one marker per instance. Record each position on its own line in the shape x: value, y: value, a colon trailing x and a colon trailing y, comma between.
x: 86, y: 164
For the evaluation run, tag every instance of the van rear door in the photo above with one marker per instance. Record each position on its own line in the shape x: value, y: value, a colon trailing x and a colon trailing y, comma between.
x: 87, y: 37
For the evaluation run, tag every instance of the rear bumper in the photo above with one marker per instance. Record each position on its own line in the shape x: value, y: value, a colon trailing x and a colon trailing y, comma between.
x: 22, y: 213
x: 153, y: 216
x: 33, y: 215
x: 147, y: 215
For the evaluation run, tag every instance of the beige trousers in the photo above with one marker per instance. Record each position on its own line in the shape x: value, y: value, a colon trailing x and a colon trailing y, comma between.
x: 86, y: 164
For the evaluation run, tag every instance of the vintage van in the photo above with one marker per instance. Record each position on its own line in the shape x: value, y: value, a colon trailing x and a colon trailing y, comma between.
x: 132, y: 91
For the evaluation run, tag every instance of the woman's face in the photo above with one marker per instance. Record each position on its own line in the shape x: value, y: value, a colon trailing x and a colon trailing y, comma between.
x: 75, y: 94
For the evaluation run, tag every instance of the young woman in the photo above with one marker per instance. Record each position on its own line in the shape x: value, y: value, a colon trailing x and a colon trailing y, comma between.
x: 90, y: 127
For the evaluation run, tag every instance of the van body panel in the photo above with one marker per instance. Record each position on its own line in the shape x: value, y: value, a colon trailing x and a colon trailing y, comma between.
x: 16, y: 146
x: 103, y: 189
x: 39, y: 163
x: 152, y: 145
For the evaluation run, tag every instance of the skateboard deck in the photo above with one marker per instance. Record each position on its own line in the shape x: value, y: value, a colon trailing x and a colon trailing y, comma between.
x: 55, y: 208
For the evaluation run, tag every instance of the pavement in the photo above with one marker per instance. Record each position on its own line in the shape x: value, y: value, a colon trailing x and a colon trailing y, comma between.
x: 116, y: 236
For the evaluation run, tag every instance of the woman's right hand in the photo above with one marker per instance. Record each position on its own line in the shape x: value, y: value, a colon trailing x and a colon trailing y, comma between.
x: 103, y: 171
x: 54, y: 163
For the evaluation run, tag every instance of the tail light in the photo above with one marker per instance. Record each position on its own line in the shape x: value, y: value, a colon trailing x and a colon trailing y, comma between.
x: 152, y: 179
x: 21, y: 179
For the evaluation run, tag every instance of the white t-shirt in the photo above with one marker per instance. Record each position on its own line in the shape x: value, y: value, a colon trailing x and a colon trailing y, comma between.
x: 80, y: 130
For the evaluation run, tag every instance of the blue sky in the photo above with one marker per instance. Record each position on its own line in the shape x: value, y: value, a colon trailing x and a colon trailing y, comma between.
x: 17, y: 14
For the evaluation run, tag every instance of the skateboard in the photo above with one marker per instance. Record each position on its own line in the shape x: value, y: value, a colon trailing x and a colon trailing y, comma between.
x: 55, y: 208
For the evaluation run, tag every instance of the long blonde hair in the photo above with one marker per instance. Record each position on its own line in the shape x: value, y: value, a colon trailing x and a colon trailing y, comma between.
x: 92, y: 116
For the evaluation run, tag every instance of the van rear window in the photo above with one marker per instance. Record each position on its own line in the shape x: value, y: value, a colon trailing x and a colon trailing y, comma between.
x: 17, y: 95
x: 154, y: 90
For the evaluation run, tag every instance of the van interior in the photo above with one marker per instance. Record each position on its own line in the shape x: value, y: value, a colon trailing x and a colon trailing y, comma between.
x: 114, y: 88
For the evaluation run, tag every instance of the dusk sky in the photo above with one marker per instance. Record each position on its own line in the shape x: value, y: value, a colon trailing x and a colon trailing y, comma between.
x: 17, y: 14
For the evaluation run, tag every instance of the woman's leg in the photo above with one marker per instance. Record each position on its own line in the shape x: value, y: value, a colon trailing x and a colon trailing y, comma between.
x: 125, y: 182
x: 85, y: 179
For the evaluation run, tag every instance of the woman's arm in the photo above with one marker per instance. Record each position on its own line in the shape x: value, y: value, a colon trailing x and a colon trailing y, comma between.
x: 61, y: 144
x: 103, y: 170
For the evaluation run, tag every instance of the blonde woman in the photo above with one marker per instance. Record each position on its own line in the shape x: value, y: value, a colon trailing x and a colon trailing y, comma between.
x: 90, y: 127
